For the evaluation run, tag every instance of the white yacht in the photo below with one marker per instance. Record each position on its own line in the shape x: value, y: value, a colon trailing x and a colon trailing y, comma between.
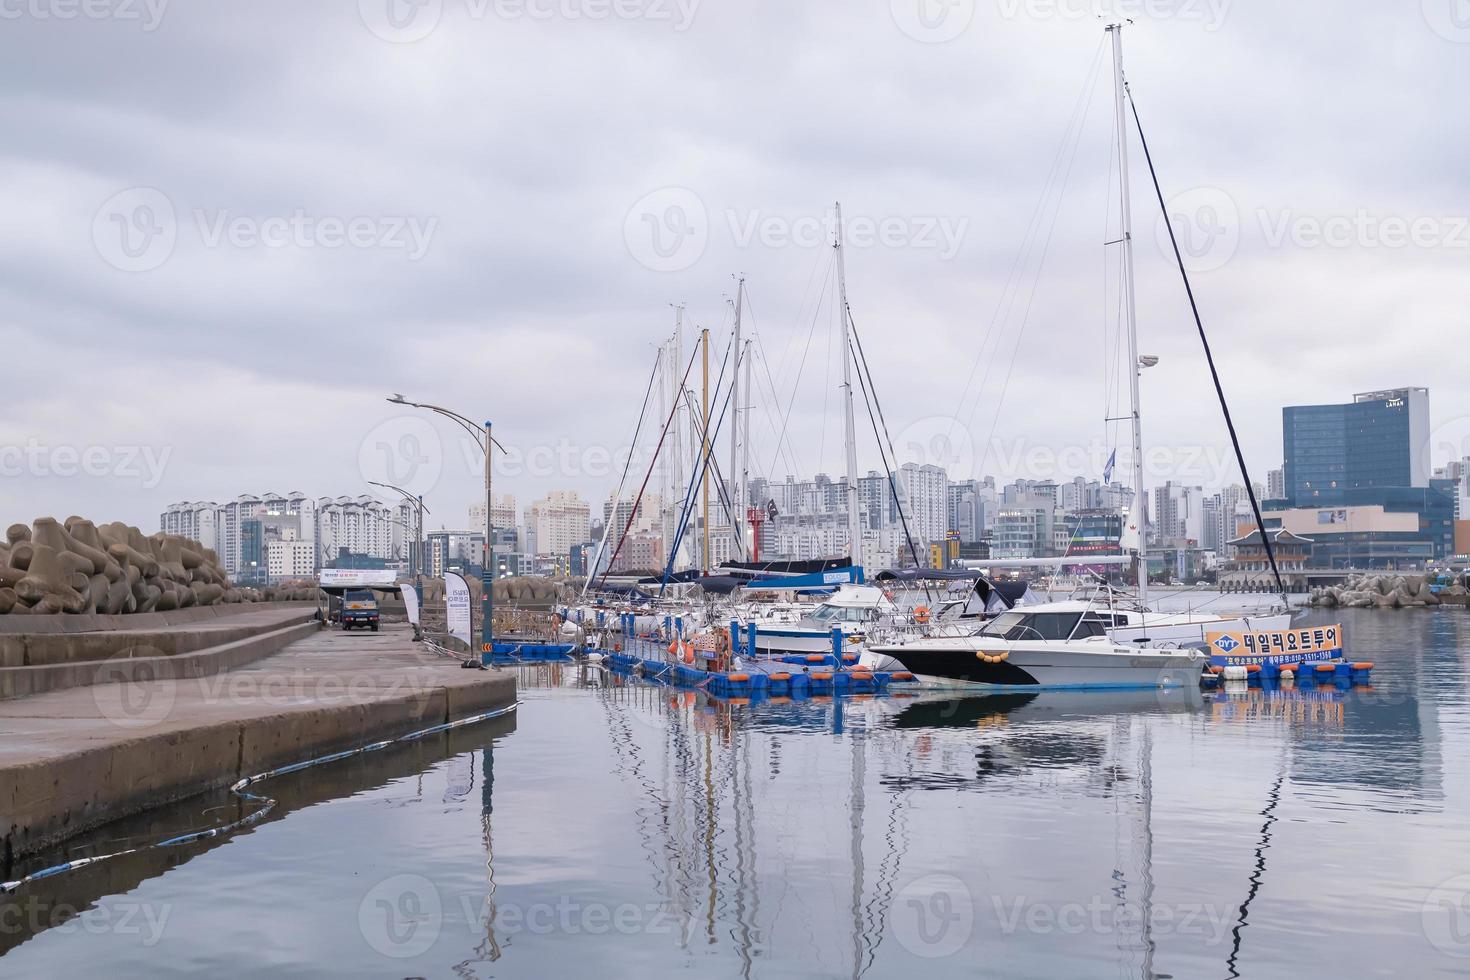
x: 854, y: 609
x: 1072, y: 644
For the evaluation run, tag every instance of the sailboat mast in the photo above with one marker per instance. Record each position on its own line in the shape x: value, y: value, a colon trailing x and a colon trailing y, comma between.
x: 705, y: 449
x: 1130, y: 312
x: 854, y: 533
x: 745, y: 455
x: 676, y: 477
x: 737, y: 538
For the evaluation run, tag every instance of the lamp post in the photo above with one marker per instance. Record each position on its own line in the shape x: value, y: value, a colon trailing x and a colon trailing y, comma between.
x: 485, y: 441
x: 415, y: 554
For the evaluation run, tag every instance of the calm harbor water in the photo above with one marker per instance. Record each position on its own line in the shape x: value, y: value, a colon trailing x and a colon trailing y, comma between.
x: 644, y: 831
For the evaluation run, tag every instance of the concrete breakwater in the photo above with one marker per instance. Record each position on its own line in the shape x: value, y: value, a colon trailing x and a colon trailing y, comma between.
x: 1385, y: 592
x: 79, y: 567
x: 74, y: 759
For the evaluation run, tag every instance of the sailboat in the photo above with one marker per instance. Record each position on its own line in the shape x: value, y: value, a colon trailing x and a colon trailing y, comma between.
x: 1102, y: 641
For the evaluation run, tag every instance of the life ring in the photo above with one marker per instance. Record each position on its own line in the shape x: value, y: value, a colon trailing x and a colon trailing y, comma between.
x: 921, y: 615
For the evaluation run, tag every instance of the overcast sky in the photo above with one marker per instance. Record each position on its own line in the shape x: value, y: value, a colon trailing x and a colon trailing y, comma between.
x: 230, y: 230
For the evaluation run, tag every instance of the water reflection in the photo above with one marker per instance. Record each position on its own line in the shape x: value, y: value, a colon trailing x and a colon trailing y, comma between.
x: 1239, y: 832
x: 56, y: 901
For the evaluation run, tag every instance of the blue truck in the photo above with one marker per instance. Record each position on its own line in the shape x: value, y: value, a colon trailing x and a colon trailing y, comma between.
x: 359, y: 608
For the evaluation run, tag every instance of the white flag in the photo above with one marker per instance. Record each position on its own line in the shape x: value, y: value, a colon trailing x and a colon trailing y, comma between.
x: 457, y: 605
x: 410, y: 602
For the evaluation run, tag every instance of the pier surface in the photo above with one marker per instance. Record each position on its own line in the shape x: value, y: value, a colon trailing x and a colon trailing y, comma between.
x: 73, y: 759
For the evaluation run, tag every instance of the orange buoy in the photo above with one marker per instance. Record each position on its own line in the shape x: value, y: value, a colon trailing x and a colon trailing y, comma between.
x: 737, y: 678
x: 781, y: 676
x: 1216, y: 669
x: 1252, y: 668
x: 902, y: 675
x: 815, y: 658
x: 1364, y: 665
x: 1325, y: 668
x: 822, y: 675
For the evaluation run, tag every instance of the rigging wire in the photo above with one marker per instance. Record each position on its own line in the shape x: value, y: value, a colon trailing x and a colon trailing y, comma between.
x: 1023, y: 250
x: 1090, y: 92
x: 1209, y: 356
x: 627, y: 465
x: 861, y: 358
x: 760, y: 349
x: 801, y: 365
x: 707, y: 448
x: 865, y: 384
x: 637, y: 502
x: 689, y: 499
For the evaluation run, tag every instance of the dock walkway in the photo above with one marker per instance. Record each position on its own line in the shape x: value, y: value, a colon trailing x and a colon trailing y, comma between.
x: 71, y: 760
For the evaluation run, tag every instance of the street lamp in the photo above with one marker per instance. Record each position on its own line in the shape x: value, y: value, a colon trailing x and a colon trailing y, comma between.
x: 415, y: 556
x: 485, y: 440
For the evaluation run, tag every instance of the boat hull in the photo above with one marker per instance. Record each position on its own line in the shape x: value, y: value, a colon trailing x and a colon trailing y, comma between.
x: 1042, y: 666
x: 778, y: 641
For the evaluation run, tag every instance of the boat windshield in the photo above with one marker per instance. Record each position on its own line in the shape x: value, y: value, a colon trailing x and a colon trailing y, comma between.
x: 839, y: 614
x: 1032, y: 626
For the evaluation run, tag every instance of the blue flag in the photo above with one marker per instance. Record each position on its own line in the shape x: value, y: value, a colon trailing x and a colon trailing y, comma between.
x: 1108, y: 467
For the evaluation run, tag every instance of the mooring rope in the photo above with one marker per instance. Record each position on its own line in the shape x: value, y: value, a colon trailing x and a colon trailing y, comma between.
x: 268, y: 804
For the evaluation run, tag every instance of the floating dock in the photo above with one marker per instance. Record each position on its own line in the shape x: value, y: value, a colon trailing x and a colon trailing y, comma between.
x: 1341, y: 673
x: 809, y: 675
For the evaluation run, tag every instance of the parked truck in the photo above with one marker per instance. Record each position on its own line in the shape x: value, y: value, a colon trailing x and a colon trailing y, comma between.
x: 359, y: 608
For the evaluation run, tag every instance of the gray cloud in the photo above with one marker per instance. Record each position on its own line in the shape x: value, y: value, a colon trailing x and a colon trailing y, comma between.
x: 527, y: 141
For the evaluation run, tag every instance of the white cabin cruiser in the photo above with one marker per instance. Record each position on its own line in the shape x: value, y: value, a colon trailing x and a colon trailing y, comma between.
x: 1072, y: 644
x: 854, y: 609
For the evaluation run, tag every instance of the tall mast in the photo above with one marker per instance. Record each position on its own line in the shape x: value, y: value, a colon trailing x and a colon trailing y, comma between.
x: 1140, y: 504
x: 661, y: 372
x: 854, y: 534
x: 676, y: 476
x: 705, y: 451
x: 745, y: 453
x: 737, y: 538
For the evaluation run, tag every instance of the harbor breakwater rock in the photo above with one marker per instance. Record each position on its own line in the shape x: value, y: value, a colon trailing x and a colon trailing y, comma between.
x: 51, y: 568
x: 1383, y: 592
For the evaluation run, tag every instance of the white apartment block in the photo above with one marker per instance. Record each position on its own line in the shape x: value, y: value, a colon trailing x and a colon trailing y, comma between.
x: 196, y: 520
x: 288, y: 559
x: 503, y: 514
x: 558, y: 521
x: 924, y: 491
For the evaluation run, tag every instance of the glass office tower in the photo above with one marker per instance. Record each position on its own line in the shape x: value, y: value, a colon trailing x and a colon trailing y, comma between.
x: 1379, y: 440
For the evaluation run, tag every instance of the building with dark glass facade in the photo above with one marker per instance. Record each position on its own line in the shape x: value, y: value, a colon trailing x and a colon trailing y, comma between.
x: 1357, y: 482
x: 1379, y: 440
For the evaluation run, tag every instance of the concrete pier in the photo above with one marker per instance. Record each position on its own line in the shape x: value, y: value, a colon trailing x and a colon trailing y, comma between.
x: 71, y: 760
x: 74, y: 651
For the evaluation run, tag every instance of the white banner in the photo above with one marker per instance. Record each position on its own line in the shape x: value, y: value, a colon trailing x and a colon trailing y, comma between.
x: 457, y: 605
x: 1133, y: 530
x: 361, y: 578
x: 410, y: 602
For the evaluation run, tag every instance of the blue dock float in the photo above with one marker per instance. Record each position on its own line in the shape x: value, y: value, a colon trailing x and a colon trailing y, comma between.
x: 511, y: 652
x: 809, y: 675
x: 1340, y: 673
